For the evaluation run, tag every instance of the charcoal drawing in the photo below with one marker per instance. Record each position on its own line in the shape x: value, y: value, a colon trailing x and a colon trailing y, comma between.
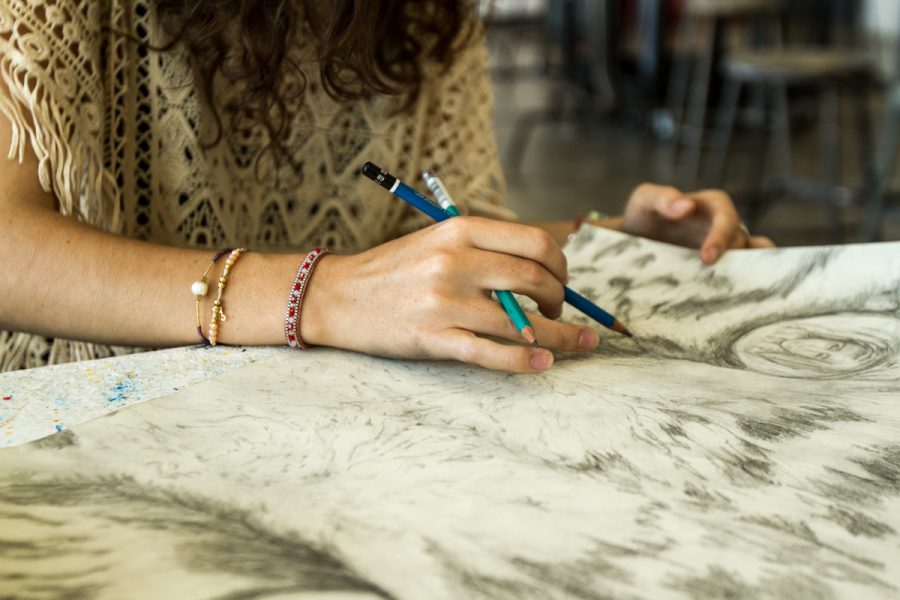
x: 773, y: 318
x: 744, y: 445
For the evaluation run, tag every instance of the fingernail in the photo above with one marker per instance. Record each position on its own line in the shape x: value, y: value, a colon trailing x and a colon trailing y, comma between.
x: 541, y: 360
x: 712, y: 254
x: 588, y: 339
x: 681, y: 206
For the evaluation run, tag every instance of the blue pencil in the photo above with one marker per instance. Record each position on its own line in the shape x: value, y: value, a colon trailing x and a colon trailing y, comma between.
x: 578, y: 301
x: 403, y: 191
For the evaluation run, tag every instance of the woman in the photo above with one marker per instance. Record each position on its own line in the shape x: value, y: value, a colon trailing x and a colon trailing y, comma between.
x: 143, y: 134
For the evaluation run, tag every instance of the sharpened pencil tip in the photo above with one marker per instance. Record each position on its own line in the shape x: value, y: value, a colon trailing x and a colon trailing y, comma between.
x: 622, y: 329
x: 528, y: 334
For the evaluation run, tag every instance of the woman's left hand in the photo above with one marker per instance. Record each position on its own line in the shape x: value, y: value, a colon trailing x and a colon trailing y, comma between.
x: 705, y: 219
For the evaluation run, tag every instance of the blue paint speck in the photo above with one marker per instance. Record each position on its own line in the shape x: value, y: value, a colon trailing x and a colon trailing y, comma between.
x: 59, y: 427
x: 121, y: 391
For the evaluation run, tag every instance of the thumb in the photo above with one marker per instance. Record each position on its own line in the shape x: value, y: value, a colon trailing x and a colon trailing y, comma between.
x: 675, y: 208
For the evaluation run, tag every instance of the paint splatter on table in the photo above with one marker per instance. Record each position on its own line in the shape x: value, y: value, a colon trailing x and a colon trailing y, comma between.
x: 38, y: 402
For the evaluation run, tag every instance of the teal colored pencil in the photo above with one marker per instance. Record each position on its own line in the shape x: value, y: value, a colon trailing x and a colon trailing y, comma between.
x: 507, y: 300
x: 403, y: 191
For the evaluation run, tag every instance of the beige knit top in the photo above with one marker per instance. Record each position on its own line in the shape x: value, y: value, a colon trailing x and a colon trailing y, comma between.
x: 119, y: 131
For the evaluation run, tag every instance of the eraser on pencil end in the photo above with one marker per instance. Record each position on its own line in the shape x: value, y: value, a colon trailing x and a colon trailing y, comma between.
x: 371, y: 170
x: 378, y: 175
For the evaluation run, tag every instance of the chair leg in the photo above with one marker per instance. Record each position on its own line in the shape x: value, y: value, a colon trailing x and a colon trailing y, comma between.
x: 882, y: 172
x: 864, y: 135
x: 868, y: 169
x: 731, y: 96
x: 680, y: 78
x: 757, y: 157
x: 831, y: 153
x: 782, y: 133
x: 696, y: 117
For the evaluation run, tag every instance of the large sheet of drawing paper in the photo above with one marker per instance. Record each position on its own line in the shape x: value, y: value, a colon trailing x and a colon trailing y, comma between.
x: 746, y: 444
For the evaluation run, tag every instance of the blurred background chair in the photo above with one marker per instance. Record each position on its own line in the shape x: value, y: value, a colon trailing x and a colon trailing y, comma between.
x: 516, y: 36
x: 833, y: 61
x: 768, y: 98
x: 880, y: 200
x: 575, y: 61
x: 708, y: 32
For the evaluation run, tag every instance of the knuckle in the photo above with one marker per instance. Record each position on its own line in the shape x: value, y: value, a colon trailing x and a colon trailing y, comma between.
x: 648, y: 188
x: 668, y: 191
x: 532, y: 274
x: 721, y: 199
x: 420, y: 339
x: 456, y: 228
x: 569, y: 337
x: 520, y: 360
x: 467, y: 351
x: 552, y: 303
x: 543, y: 242
x: 559, y: 295
x: 438, y: 265
x: 554, y: 311
x: 432, y: 301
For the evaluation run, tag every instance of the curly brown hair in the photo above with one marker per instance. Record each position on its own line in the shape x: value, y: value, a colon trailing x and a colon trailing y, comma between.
x: 363, y: 47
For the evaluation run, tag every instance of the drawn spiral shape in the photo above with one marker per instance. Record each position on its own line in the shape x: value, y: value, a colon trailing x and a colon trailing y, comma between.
x: 823, y: 347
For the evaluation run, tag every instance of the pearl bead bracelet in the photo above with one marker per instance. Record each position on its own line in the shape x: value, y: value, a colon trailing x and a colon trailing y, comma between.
x: 199, y: 289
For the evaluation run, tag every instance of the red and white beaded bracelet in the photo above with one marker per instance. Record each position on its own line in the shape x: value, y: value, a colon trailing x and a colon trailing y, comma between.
x: 295, y: 300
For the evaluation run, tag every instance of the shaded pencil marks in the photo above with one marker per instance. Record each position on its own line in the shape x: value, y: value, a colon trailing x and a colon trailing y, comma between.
x: 858, y: 523
x: 743, y: 445
x: 720, y: 583
x: 784, y: 423
x: 698, y: 305
x: 207, y: 536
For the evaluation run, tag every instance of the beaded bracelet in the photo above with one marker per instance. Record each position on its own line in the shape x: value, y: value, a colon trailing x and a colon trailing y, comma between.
x: 295, y: 300
x: 217, y: 313
x: 199, y: 289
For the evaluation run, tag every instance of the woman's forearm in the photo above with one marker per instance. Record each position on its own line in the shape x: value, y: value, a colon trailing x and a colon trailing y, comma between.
x: 63, y: 278
x: 67, y: 279
x: 73, y: 281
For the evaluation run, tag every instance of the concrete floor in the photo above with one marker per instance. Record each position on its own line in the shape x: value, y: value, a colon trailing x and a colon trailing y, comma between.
x: 569, y: 168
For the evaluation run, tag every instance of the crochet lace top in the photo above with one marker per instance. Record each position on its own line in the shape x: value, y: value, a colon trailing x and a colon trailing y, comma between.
x: 119, y: 134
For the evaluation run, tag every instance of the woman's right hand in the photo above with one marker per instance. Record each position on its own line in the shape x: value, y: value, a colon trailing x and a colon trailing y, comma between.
x: 428, y: 295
